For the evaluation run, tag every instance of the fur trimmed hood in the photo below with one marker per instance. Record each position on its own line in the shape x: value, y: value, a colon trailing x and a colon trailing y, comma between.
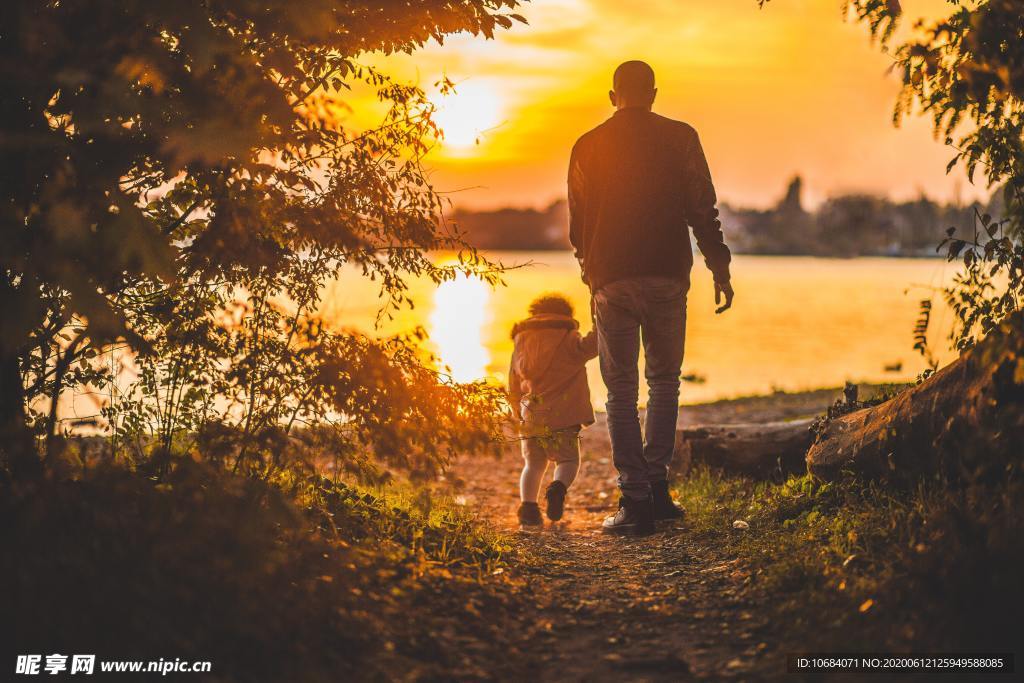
x: 545, y: 321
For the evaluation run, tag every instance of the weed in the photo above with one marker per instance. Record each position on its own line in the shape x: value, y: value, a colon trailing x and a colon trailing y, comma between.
x: 853, y: 564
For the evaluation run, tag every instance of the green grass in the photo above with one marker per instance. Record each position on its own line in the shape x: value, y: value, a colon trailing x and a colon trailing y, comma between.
x: 421, y: 527
x: 853, y: 564
x: 300, y: 580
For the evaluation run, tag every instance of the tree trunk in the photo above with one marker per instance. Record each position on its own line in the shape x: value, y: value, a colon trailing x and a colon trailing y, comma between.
x: 17, y: 447
x: 966, y: 421
x: 760, y: 449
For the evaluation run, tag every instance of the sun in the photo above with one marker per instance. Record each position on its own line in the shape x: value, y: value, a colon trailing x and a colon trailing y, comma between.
x: 467, y: 114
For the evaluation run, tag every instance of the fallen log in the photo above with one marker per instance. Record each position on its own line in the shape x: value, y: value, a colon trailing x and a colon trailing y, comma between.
x: 965, y: 421
x: 758, y: 449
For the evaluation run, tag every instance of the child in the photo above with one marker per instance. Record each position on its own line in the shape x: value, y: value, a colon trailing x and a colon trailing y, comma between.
x: 550, y: 397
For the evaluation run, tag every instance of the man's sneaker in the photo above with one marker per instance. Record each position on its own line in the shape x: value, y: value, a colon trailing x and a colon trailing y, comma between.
x: 555, y: 495
x: 529, y: 515
x: 664, y: 507
x: 635, y: 516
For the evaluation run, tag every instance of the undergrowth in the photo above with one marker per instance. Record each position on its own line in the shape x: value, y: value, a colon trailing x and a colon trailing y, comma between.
x: 314, y: 582
x: 426, y: 530
x: 854, y: 565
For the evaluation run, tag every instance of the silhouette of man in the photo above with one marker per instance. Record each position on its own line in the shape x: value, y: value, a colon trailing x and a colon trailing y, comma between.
x: 635, y: 183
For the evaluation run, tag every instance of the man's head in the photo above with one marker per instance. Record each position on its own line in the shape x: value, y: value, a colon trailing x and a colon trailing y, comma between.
x: 633, y: 85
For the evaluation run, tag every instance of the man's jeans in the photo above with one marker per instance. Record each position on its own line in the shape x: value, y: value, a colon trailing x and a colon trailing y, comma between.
x: 654, y: 309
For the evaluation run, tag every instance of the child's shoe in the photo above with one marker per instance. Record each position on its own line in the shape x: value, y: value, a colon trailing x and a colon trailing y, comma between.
x: 555, y: 496
x: 529, y: 515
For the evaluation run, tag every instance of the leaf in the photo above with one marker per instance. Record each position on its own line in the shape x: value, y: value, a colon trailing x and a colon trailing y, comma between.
x: 955, y: 247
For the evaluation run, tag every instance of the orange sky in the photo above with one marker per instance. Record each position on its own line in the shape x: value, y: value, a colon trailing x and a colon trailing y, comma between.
x: 792, y: 88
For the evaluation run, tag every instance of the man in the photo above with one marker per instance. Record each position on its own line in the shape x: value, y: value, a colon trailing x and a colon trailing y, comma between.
x: 635, y: 182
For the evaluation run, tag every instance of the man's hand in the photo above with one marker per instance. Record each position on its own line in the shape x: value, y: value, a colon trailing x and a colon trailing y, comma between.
x: 724, y: 288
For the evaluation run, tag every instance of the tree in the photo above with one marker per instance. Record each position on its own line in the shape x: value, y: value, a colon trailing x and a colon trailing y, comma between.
x: 965, y: 420
x: 165, y: 161
x: 856, y: 224
x: 967, y: 71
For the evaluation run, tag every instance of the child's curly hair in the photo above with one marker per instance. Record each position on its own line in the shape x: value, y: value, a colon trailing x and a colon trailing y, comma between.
x: 551, y: 302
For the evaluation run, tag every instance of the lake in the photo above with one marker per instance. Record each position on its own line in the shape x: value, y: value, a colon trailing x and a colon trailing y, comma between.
x: 797, y: 322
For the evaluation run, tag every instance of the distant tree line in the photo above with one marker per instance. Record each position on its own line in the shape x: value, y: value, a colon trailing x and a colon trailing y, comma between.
x: 846, y: 225
x: 516, y: 229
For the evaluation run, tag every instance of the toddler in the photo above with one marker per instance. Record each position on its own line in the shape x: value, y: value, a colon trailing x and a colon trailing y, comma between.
x: 550, y: 398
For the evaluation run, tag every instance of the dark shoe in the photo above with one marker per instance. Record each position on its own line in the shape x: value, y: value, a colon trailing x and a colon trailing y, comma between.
x: 555, y: 495
x: 664, y: 507
x: 635, y: 516
x: 529, y: 515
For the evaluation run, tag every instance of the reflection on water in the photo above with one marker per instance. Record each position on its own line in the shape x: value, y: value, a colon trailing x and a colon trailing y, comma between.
x: 457, y: 326
x: 797, y: 323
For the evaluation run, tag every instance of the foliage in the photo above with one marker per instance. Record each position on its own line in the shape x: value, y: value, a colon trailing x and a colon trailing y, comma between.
x: 924, y: 319
x: 850, y: 402
x: 853, y: 565
x: 178, y: 181
x: 430, y: 531
x: 204, y: 565
x: 991, y: 285
x: 967, y: 72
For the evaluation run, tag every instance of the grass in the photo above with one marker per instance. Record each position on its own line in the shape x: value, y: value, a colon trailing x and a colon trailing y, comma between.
x: 852, y: 565
x: 304, y: 578
x: 312, y: 581
x: 422, y: 528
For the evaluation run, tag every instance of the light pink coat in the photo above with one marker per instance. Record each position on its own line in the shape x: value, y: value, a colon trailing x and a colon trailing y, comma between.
x: 547, y: 379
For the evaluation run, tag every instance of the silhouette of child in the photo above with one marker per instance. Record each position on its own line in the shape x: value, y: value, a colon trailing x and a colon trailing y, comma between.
x: 550, y: 398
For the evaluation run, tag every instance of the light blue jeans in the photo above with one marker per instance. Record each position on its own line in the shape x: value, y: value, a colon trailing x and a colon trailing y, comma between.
x: 651, y: 310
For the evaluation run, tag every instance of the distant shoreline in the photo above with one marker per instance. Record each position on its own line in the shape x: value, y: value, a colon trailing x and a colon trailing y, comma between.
x: 847, y: 225
x: 781, y: 406
x: 908, y: 255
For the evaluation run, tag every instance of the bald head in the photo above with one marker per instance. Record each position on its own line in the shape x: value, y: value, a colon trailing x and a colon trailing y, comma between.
x: 633, y: 85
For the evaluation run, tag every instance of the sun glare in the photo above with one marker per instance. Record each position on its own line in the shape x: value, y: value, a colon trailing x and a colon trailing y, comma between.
x: 457, y: 324
x: 467, y: 114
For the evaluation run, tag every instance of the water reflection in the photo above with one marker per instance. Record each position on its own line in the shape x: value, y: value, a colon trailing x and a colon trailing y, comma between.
x: 801, y: 322
x: 457, y: 324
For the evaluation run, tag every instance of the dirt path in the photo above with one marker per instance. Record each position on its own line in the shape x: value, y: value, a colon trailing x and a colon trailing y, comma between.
x: 671, y: 606
x: 665, y: 607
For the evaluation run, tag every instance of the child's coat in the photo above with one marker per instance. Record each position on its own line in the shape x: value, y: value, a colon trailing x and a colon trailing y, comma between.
x: 547, y: 379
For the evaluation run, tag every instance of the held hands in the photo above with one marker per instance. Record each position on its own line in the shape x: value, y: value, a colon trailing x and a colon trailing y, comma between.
x: 721, y: 289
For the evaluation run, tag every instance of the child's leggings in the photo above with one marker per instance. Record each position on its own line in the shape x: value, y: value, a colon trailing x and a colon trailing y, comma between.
x: 561, y: 447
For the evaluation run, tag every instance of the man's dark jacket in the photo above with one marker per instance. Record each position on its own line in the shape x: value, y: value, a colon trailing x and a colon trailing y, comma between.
x: 635, y: 183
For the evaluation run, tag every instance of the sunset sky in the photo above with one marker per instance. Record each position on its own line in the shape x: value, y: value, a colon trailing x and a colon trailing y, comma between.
x: 792, y: 88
